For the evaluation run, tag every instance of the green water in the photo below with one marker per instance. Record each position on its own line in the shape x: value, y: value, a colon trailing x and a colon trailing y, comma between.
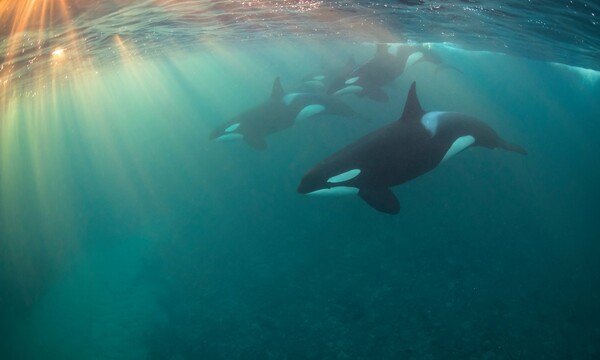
x: 126, y: 234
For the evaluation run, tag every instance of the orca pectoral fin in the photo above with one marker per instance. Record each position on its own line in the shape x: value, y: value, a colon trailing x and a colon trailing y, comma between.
x: 381, y: 199
x: 257, y: 142
x: 375, y: 93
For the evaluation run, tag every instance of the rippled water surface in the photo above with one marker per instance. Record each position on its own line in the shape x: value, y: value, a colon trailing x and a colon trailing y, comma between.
x: 554, y: 31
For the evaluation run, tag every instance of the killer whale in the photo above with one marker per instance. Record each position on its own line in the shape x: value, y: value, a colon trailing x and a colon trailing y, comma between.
x: 386, y: 65
x: 411, y: 146
x: 279, y: 112
x: 320, y: 81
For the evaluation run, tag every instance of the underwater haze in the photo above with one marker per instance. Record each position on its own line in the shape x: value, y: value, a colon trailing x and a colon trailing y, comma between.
x: 126, y: 233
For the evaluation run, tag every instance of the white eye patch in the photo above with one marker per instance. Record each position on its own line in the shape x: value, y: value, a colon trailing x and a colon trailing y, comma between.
x: 352, y: 80
x: 345, y: 176
x: 232, y: 127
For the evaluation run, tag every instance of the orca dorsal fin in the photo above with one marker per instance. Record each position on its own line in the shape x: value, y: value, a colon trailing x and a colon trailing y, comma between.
x: 412, y: 107
x: 277, y: 92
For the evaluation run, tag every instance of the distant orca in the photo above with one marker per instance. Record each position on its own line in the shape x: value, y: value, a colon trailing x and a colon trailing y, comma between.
x: 320, y: 81
x: 278, y: 113
x: 387, y: 64
x: 399, y: 152
x: 422, y: 53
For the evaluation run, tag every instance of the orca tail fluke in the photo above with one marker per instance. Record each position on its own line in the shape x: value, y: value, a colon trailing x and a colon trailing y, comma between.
x: 514, y: 148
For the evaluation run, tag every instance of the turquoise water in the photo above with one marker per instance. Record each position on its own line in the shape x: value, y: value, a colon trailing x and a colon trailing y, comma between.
x: 126, y: 234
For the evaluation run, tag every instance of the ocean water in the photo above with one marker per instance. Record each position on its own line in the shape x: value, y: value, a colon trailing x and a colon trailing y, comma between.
x: 125, y: 233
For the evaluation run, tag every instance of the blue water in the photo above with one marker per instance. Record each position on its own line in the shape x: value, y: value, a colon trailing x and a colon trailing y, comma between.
x: 126, y: 234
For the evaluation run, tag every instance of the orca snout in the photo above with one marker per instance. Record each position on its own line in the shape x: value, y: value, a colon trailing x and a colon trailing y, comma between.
x: 303, y: 188
x: 310, y: 183
x: 214, y: 134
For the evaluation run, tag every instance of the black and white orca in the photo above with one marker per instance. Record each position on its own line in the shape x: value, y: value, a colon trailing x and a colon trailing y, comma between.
x: 279, y: 112
x: 398, y: 152
x: 320, y: 81
x: 388, y: 63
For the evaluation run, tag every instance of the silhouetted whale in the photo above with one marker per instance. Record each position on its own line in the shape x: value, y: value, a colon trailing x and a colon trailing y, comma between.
x: 278, y: 113
x: 320, y: 81
x: 399, y: 152
x: 387, y: 64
